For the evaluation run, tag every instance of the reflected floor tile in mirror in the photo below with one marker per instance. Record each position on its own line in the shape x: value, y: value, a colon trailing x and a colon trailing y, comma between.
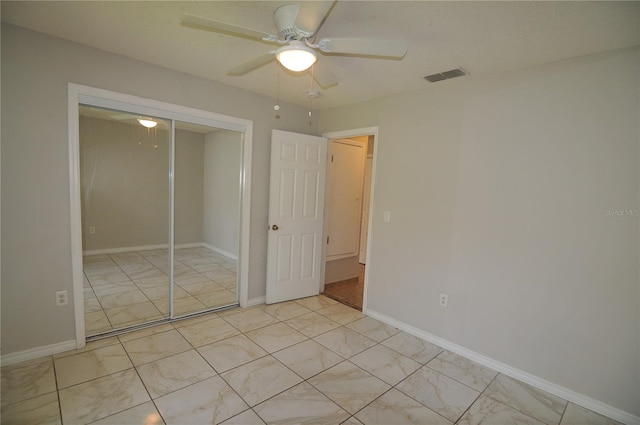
x: 131, y: 288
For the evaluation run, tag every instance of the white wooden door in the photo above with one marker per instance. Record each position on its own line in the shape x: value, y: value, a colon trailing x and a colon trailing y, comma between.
x: 296, y: 207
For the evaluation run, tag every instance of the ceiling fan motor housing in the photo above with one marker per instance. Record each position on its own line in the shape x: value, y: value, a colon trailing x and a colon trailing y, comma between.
x: 285, y: 20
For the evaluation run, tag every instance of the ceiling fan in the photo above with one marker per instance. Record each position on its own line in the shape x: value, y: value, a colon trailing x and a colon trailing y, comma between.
x: 297, y: 25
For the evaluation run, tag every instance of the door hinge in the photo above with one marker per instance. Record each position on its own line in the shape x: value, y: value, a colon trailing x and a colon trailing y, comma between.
x: 331, y: 158
x: 327, y: 240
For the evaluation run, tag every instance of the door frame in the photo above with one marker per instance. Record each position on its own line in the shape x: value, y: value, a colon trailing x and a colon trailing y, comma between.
x: 79, y: 94
x: 345, y: 134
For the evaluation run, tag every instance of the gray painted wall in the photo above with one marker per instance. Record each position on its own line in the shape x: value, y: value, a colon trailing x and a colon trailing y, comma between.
x: 125, y: 185
x: 505, y: 194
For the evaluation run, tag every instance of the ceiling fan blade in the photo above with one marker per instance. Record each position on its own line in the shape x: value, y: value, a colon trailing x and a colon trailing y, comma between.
x: 199, y: 21
x: 324, y: 76
x: 311, y: 14
x: 252, y: 64
x: 388, y: 48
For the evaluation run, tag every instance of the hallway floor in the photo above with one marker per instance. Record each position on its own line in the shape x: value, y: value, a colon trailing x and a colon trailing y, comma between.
x: 349, y: 292
x: 311, y: 360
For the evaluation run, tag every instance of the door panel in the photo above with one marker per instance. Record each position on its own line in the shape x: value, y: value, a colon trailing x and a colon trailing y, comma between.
x: 296, y: 205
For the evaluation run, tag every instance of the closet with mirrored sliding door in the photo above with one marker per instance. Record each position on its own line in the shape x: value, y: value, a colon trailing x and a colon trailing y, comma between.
x: 161, y: 207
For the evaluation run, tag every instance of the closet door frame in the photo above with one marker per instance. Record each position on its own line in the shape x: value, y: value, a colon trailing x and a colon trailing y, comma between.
x: 79, y: 94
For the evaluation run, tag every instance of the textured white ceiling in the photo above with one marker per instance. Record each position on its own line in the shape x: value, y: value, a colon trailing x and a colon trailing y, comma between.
x: 481, y: 37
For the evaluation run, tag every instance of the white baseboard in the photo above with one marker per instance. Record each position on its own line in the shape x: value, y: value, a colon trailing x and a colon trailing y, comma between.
x: 256, y: 301
x: 220, y: 251
x: 535, y: 381
x: 34, y: 353
x: 160, y: 246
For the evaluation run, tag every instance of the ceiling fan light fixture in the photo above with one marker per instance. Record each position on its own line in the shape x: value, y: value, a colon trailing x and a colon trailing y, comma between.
x: 296, y: 56
x: 147, y: 123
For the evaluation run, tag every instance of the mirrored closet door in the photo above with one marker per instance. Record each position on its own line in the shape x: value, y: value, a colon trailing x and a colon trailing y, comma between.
x: 161, y: 203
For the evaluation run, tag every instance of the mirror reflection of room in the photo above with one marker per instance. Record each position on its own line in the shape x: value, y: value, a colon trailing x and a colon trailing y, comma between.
x: 127, y: 211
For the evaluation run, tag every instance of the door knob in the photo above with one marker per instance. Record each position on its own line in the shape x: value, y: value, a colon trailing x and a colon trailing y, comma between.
x: 274, y: 227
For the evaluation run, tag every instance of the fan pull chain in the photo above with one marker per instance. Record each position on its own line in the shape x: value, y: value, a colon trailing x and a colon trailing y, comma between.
x: 311, y: 91
x: 276, y: 107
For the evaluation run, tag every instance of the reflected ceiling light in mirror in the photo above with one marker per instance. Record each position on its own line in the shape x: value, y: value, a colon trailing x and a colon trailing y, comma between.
x: 147, y: 123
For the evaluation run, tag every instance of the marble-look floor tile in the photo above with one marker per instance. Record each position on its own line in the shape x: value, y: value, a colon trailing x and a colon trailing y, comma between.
x: 120, y: 299
x: 345, y: 342
x: 152, y: 282
x: 576, y: 415
x: 393, y: 407
x: 312, y: 324
x: 200, y: 288
x: 388, y: 365
x: 463, y: 370
x: 151, y: 330
x: 40, y: 410
x: 249, y: 320
x: 72, y: 370
x: 539, y: 404
x: 488, y: 411
x: 316, y: 303
x: 261, y: 379
x: 190, y: 278
x: 142, y: 271
x: 286, y: 310
x: 352, y: 421
x: 231, y: 352
x: 248, y: 417
x: 412, y: 347
x: 102, y: 397
x: 218, y: 298
x: 91, y: 305
x: 133, y: 314
x: 219, y: 274
x: 28, y: 379
x: 275, y: 337
x: 155, y: 347
x: 134, y: 267
x: 438, y: 392
x: 145, y: 413
x: 308, y: 358
x: 92, y: 270
x: 172, y: 373
x: 96, y: 322
x: 181, y: 306
x: 207, y: 402
x: 349, y: 386
x: 372, y: 328
x: 108, y: 278
x: 113, y: 287
x: 237, y: 310
x: 340, y: 313
x: 230, y: 283
x: 301, y: 404
x: 159, y: 292
x: 207, y: 332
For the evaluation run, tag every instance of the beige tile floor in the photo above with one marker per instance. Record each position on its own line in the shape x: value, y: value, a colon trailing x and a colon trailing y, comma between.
x: 126, y: 289
x: 305, y: 361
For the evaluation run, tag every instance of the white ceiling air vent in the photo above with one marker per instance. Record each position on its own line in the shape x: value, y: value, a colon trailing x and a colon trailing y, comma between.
x: 446, y: 75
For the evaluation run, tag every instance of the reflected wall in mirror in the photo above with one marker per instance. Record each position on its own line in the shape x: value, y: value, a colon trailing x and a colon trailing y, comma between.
x: 207, y: 217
